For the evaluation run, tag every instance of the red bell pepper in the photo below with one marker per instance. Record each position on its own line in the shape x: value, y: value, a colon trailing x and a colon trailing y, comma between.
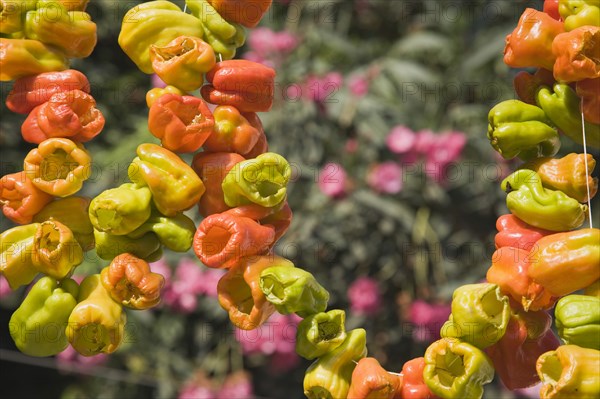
x: 232, y: 132
x: 526, y: 84
x: 513, y: 232
x: 413, y: 386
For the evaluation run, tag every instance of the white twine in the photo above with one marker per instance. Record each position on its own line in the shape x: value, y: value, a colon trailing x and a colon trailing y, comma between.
x: 587, y: 172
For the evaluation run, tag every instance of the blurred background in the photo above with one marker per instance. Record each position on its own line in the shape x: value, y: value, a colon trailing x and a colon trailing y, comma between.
x: 381, y: 108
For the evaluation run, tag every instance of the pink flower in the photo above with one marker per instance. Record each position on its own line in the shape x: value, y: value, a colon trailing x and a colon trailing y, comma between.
x: 4, y: 288
x: 401, y: 140
x: 364, y: 296
x: 237, y: 386
x: 261, y: 41
x: 428, y: 319
x: 332, y: 180
x: 424, y: 141
x: 283, y: 362
x: 162, y: 267
x: 323, y: 90
x: 193, y: 391
x: 157, y: 81
x: 277, y: 335
x: 386, y: 178
x: 285, y: 42
x: 358, y: 85
x: 210, y: 279
x: 531, y: 392
x: 442, y: 153
x: 70, y: 358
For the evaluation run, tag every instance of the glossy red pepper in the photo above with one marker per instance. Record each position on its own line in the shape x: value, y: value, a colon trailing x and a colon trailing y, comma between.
x: 244, y: 12
x: 20, y: 199
x: 279, y: 217
x: 526, y: 84
x: 551, y: 8
x: 232, y: 132
x: 413, y: 386
x: 513, y: 232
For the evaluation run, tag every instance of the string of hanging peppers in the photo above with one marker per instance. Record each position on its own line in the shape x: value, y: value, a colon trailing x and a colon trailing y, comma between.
x: 240, y: 190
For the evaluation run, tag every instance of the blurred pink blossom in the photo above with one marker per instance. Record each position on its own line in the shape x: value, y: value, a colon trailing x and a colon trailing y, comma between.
x: 210, y: 279
x: 332, y: 180
x: 157, y: 82
x: 276, y: 335
x: 386, y: 178
x: 444, y: 151
x: 428, y: 319
x: 269, y: 47
x: 70, y: 357
x: 4, y: 288
x: 323, y: 89
x: 531, y: 392
x: 162, y: 267
x: 364, y: 296
x: 424, y: 141
x: 358, y: 85
x: 194, y: 391
x: 401, y: 139
x: 261, y: 41
x: 283, y: 362
x: 237, y: 386
x: 285, y: 41
x: 351, y: 146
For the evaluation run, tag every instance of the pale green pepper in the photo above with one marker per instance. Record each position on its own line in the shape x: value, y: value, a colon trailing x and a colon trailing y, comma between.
x: 578, y: 320
x: 176, y: 232
x: 320, y: 333
x: 16, y: 249
x: 146, y: 247
x: 578, y: 13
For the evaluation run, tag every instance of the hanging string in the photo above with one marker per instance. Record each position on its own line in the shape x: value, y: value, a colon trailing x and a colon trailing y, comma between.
x: 587, y: 172
x: 185, y: 8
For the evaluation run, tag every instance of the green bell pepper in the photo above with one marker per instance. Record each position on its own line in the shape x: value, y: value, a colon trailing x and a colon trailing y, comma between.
x: 293, y: 290
x: 16, y: 249
x: 480, y: 315
x: 320, y: 333
x: 176, y: 233
x: 38, y: 325
x: 578, y: 13
x: 518, y: 129
x: 456, y: 369
x: 146, y: 247
x: 540, y: 207
x: 578, y: 320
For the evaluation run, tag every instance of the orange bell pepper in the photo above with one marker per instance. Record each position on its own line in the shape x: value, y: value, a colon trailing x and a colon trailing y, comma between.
x: 413, y: 386
x: 20, y: 198
x: 371, y: 381
x: 589, y: 92
x: 244, y: 12
x: 232, y: 132
x: 577, y: 53
x: 154, y: 94
x: 279, y: 217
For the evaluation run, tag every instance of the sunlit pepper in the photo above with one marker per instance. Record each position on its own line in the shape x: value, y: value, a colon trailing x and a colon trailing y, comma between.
x: 562, y: 106
x: 527, y: 337
x: 223, y: 37
x: 154, y: 23
x: 320, y: 333
x: 509, y: 271
x: 38, y: 325
x: 154, y: 94
x: 526, y: 84
x: 183, y: 62
x: 519, y: 129
x: 56, y: 252
x: 551, y: 8
x: 588, y: 91
x: 182, y: 123
x: 544, y: 208
x: 371, y: 381
x: 73, y: 32
x: 456, y: 369
x: 97, y: 323
x: 23, y: 57
x: 262, y: 180
x: 12, y: 13
x: 240, y: 295
x: 413, y: 386
x: 530, y: 44
x: 174, y: 185
x: 16, y: 249
x: 329, y: 376
x: 223, y: 239
x: 480, y: 314
x: 578, y: 13
x: 513, y: 232
x: 566, y: 262
x: 293, y: 290
x: 108, y: 246
x: 72, y: 114
x: 232, y: 132
x: 73, y: 213
x: 577, y: 54
x: 569, y: 372
x: 130, y: 282
x: 578, y: 320
x: 174, y: 232
x: 30, y: 91
x: 212, y: 169
x: 121, y: 210
x: 245, y: 85
x: 20, y: 198
x: 245, y: 12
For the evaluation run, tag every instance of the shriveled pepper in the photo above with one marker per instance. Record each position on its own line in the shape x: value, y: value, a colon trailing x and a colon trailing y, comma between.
x: 174, y: 185
x: 182, y: 123
x: 223, y: 37
x: 20, y: 198
x: 73, y: 32
x: 566, y: 262
x: 526, y: 84
x: 540, y: 207
x: 154, y: 94
x: 569, y: 372
x: 212, y: 169
x: 246, y: 85
x: 130, y: 282
x: 577, y: 54
x: 174, y: 232
x: 588, y: 91
x: 232, y: 132
x: 480, y: 314
x: 24, y: 57
x: 519, y: 129
x: 56, y: 252
x: 530, y: 44
x: 329, y: 376
x: 578, y: 13
x: 279, y: 217
x: 509, y: 271
x: 38, y: 325
x: 456, y: 369
x: 578, y: 320
x: 320, y: 333
x: 97, y: 323
x: 154, y: 23
x: 413, y: 386
x: 245, y: 12
x: 121, y: 210
x: 562, y: 106
x: 16, y: 249
x: 240, y: 295
x: 72, y: 114
x: 183, y: 62
x: 527, y: 337
x: 108, y: 246
x: 371, y: 381
x: 30, y: 91
x: 58, y: 166
x: 73, y: 213
x: 262, y: 180
x: 223, y: 239
x: 513, y: 232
